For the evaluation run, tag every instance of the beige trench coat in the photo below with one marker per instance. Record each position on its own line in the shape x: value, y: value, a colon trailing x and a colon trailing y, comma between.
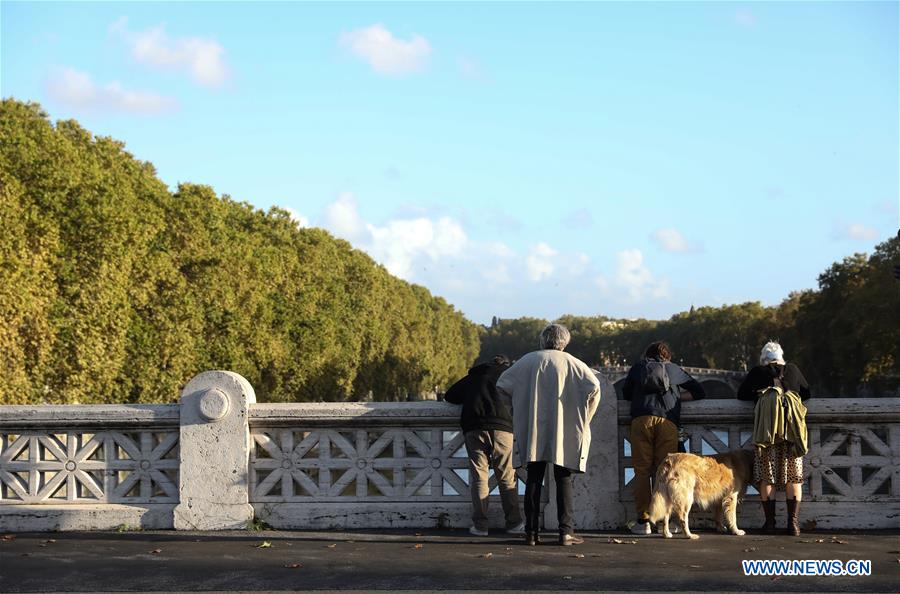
x: 554, y: 396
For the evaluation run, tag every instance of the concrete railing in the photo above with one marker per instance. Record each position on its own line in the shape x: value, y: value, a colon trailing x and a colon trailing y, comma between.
x: 218, y: 459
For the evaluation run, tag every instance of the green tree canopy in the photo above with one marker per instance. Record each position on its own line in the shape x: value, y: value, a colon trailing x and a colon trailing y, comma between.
x: 114, y: 289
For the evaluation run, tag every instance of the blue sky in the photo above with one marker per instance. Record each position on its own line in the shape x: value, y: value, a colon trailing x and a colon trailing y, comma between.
x: 625, y: 159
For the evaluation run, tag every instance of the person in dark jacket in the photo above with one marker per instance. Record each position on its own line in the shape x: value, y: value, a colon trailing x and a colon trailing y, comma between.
x: 774, y: 465
x: 487, y: 423
x: 654, y: 386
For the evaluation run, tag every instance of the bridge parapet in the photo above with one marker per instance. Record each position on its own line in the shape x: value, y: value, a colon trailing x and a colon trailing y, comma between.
x: 375, y: 465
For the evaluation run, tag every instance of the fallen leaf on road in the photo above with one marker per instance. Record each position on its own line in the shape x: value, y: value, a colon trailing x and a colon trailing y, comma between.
x: 50, y: 540
x: 567, y: 577
x: 750, y: 550
x: 418, y: 546
x: 264, y: 545
x: 696, y: 566
x: 332, y: 545
x: 486, y: 555
x: 836, y: 540
x: 579, y: 556
x: 8, y: 537
x: 418, y: 534
x: 820, y: 540
x: 620, y: 541
x: 156, y: 551
x: 293, y: 565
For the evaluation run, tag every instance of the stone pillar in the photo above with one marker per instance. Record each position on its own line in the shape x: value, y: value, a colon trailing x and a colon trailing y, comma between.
x: 214, y: 451
x: 596, y: 497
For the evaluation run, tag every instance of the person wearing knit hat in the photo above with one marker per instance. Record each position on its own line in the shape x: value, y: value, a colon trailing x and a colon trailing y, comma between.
x: 776, y: 465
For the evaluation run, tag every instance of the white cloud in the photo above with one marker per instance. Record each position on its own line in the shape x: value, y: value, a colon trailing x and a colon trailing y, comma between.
x: 539, y: 263
x: 76, y: 89
x: 342, y: 218
x: 202, y: 59
x: 671, y: 240
x: 385, y: 53
x: 635, y: 278
x: 399, y: 243
x: 489, y: 276
x: 299, y: 219
x: 858, y: 232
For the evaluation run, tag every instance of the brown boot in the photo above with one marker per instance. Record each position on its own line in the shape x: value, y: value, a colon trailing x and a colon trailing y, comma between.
x: 769, y: 510
x: 793, y: 509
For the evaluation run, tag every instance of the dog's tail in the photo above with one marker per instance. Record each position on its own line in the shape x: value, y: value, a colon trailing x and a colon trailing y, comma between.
x: 659, y: 502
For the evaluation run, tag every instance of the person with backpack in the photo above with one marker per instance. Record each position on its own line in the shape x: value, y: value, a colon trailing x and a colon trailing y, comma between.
x: 487, y: 425
x: 779, y: 431
x: 654, y: 386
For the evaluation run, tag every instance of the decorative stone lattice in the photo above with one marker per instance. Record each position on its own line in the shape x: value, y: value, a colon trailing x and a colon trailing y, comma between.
x: 69, y: 467
x: 851, y: 462
x: 386, y: 464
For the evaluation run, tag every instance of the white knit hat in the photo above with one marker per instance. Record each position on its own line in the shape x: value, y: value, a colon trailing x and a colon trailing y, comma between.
x: 771, y: 353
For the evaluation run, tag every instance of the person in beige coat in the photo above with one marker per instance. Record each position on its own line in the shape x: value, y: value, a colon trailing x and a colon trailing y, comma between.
x: 553, y: 397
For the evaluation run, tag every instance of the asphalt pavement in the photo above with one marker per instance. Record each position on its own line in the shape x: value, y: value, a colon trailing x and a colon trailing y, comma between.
x: 429, y: 560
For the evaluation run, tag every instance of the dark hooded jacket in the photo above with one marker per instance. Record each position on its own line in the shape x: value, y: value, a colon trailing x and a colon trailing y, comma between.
x: 764, y: 376
x: 483, y: 409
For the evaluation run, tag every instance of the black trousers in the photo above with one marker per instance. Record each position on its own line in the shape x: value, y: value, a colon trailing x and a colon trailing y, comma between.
x: 533, y: 483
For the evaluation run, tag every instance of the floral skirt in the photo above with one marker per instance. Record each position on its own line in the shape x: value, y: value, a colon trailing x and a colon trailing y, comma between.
x: 775, y: 465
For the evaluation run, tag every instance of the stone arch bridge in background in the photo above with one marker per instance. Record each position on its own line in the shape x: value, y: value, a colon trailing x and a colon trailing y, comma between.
x: 718, y: 383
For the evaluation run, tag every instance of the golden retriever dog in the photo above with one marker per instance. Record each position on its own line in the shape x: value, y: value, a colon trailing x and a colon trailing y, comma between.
x: 684, y: 479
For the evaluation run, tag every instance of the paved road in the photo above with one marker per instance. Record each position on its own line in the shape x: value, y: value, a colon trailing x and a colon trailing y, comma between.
x: 430, y: 560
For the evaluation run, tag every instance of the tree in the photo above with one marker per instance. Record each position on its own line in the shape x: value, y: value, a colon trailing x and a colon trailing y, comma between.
x: 114, y: 289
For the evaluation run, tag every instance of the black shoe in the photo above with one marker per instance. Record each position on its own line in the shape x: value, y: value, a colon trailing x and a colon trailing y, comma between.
x: 567, y: 540
x: 532, y: 539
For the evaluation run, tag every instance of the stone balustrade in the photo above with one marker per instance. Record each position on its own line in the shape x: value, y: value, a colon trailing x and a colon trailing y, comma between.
x: 218, y: 459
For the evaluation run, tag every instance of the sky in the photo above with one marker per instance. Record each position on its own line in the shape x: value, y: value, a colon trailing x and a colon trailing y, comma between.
x: 517, y: 159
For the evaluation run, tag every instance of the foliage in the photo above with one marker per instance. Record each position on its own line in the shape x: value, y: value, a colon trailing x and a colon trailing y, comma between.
x: 114, y: 289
